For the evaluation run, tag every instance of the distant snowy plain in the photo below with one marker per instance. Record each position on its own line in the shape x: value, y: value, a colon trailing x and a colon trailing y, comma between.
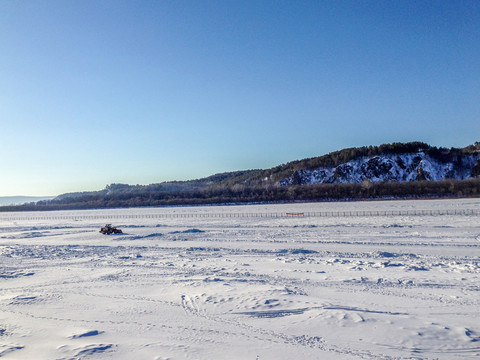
x: 205, y: 286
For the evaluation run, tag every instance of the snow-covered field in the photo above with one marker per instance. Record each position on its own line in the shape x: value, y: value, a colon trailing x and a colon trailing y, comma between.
x: 297, y: 287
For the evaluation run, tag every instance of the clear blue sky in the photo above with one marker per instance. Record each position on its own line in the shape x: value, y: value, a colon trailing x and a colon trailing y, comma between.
x: 138, y: 92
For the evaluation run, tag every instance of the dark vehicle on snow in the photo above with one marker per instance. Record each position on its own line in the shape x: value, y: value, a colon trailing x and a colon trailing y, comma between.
x: 109, y: 229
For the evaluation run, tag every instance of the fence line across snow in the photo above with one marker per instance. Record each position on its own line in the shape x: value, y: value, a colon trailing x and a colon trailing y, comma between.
x: 353, y: 213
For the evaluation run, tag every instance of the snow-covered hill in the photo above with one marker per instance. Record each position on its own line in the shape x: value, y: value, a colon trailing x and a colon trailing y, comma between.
x: 391, y: 163
x: 388, y: 167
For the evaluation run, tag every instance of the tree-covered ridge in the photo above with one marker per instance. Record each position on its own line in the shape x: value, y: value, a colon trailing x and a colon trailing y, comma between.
x: 336, y: 158
x: 275, y: 175
x: 270, y: 184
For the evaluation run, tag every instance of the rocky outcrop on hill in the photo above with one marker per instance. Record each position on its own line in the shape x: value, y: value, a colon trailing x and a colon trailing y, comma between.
x: 389, y: 167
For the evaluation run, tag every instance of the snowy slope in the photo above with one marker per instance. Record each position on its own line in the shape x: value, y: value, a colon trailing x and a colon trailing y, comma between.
x: 389, y: 167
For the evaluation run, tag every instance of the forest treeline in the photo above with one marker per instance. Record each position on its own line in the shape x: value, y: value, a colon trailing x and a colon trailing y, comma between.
x: 221, y: 194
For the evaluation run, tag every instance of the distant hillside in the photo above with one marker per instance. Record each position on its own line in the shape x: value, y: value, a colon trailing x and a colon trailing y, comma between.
x: 18, y: 200
x: 392, y: 170
x: 413, y: 161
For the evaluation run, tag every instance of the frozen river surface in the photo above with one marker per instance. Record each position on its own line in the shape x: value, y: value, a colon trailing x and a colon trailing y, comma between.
x: 243, y: 282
